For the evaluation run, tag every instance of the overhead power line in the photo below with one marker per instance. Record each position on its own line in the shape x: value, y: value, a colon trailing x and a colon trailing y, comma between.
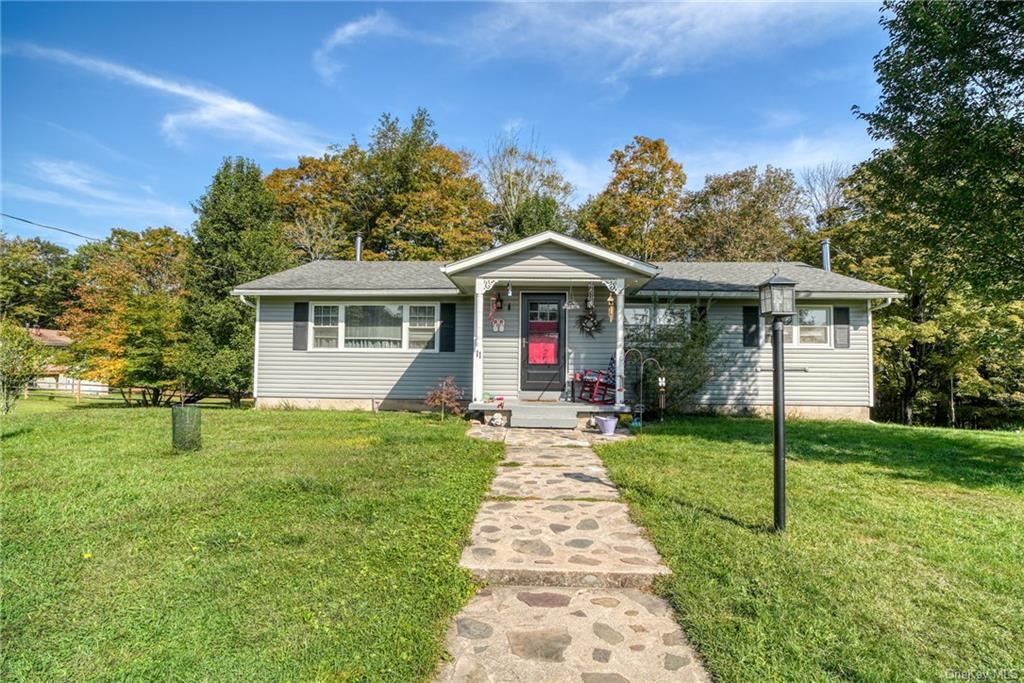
x: 52, y: 227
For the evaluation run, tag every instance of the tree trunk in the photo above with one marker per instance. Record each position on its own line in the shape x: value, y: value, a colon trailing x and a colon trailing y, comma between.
x: 952, y: 404
x: 911, y: 383
x: 236, y: 400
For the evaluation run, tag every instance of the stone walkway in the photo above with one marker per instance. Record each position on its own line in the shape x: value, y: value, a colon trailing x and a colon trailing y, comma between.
x: 567, y: 577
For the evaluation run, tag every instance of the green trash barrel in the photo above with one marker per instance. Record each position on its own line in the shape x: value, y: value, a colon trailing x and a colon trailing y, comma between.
x: 185, y: 428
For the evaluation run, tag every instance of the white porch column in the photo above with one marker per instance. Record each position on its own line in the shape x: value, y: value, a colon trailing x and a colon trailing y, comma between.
x: 481, y: 288
x: 618, y: 287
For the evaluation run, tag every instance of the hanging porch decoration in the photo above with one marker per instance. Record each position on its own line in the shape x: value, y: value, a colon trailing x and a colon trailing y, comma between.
x: 588, y: 322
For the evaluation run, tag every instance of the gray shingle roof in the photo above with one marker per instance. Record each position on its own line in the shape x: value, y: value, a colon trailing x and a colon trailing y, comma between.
x: 705, y: 276
x: 356, y: 275
x: 738, y: 276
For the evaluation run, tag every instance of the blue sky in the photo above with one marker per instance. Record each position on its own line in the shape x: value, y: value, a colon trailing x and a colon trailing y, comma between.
x: 116, y: 115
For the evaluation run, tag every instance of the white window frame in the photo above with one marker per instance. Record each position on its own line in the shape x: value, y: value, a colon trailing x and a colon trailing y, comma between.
x: 312, y: 325
x: 652, y: 312
x: 437, y: 326
x: 405, y: 326
x: 765, y: 326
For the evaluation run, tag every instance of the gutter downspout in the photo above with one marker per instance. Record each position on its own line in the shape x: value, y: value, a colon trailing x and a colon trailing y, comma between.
x: 888, y: 302
x: 246, y: 301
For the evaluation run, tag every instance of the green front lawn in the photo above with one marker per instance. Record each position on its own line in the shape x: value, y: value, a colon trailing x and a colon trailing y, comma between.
x: 295, y: 545
x: 903, y: 559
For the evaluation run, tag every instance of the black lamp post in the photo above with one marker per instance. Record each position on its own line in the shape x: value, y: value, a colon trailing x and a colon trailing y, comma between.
x: 778, y: 302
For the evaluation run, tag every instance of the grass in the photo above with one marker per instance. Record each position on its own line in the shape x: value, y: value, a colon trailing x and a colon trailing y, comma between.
x: 294, y: 546
x: 903, y: 559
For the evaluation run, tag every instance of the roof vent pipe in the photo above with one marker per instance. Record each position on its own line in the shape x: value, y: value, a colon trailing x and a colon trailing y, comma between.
x: 826, y: 256
x: 359, y: 246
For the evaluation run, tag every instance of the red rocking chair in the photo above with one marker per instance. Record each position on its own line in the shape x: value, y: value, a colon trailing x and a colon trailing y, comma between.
x: 598, y: 386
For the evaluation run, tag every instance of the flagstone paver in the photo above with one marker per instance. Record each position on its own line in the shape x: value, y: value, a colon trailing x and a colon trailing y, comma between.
x: 533, y: 634
x: 560, y: 543
x: 538, y: 456
x: 565, y: 569
x: 554, y: 483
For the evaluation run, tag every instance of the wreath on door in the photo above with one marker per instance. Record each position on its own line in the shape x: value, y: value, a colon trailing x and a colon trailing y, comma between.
x: 588, y: 322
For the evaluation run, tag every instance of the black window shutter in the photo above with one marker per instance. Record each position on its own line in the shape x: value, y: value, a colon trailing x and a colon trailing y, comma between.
x: 300, y: 323
x: 841, y: 326
x: 447, y: 334
x: 751, y: 329
x: 702, y: 314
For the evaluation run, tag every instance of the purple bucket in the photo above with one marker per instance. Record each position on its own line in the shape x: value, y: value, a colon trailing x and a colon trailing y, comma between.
x: 607, y: 423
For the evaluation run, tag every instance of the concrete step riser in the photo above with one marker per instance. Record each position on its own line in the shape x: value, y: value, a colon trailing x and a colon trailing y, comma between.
x: 565, y: 579
x: 543, y: 422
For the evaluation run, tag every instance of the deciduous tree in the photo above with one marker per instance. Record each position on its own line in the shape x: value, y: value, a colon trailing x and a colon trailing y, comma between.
x: 951, y: 111
x: 36, y: 280
x: 527, y: 192
x: 743, y: 216
x: 408, y: 196
x: 638, y: 212
x: 125, y: 323
x: 237, y: 238
x: 21, y: 361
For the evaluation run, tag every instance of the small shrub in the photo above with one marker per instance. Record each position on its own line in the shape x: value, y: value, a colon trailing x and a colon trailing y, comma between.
x: 21, y: 361
x: 446, y: 397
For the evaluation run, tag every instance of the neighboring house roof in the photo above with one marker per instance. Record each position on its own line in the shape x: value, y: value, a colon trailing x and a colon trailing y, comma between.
x: 50, y: 337
x: 743, y: 277
x: 344, y: 278
x: 546, y: 237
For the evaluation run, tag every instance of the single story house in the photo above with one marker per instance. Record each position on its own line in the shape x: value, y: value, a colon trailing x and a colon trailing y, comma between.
x: 55, y: 376
x: 379, y: 334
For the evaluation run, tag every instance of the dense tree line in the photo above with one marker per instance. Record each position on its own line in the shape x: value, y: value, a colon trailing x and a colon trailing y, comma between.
x: 153, y: 309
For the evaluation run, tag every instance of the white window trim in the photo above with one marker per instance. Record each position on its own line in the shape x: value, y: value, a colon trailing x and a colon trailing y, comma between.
x: 405, y: 326
x: 765, y: 325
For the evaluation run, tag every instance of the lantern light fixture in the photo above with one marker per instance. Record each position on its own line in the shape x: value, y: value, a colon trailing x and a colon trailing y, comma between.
x: 778, y: 296
x: 508, y: 290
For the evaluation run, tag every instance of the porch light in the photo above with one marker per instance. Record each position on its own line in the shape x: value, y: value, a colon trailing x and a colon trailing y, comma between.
x: 778, y: 302
x: 778, y: 296
x: 508, y: 290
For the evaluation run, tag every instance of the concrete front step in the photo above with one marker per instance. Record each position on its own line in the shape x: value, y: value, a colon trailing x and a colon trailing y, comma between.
x: 554, y: 483
x: 551, y: 543
x: 542, y: 422
x: 517, y: 633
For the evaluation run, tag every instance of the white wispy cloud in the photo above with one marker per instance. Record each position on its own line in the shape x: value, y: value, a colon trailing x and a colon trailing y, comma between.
x: 620, y: 41
x: 848, y: 144
x: 208, y: 110
x: 616, y: 42
x: 84, y: 188
x: 378, y: 24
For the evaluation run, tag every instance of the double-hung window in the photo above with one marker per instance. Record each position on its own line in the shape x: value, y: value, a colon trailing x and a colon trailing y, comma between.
x: 811, y: 326
x: 423, y: 324
x: 325, y: 326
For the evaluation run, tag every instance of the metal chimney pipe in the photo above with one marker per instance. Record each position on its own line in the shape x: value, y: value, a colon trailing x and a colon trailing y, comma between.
x: 359, y: 246
x: 826, y: 255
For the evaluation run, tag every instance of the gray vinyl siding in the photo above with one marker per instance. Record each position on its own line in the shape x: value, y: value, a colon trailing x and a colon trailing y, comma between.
x: 551, y: 262
x: 814, y: 376
x: 365, y: 373
x: 501, y: 349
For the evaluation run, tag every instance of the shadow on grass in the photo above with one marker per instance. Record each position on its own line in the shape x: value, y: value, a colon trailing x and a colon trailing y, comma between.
x: 965, y: 458
x: 752, y: 527
x: 14, y: 433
